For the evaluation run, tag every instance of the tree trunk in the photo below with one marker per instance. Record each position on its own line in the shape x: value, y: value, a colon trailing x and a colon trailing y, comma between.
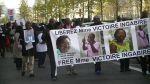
x: 88, y: 10
x: 45, y: 10
x: 59, y: 11
x: 82, y: 20
x: 101, y: 6
x: 116, y: 10
x: 141, y: 7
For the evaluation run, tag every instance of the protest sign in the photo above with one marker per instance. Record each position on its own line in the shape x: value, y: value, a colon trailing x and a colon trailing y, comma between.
x: 112, y: 41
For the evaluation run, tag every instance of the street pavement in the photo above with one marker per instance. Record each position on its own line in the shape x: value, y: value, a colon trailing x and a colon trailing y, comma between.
x: 110, y: 74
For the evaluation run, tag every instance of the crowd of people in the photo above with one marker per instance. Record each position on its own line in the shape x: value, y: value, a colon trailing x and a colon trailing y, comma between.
x: 25, y: 51
x: 31, y: 41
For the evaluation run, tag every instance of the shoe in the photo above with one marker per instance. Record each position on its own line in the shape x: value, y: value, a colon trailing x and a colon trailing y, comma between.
x: 41, y: 66
x: 54, y: 78
x: 98, y: 72
x: 149, y: 71
x: 69, y: 73
x: 14, y: 60
x: 22, y: 73
x: 74, y: 73
x: 128, y: 70
x: 31, y: 75
x: 18, y: 68
x: 148, y: 77
x: 122, y: 70
x: 3, y: 55
x: 144, y: 73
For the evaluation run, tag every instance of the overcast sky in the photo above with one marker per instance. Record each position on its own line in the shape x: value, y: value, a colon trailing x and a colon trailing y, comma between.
x: 14, y: 4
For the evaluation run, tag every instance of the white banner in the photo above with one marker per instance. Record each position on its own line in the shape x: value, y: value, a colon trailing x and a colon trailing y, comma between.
x: 29, y: 36
x: 112, y: 41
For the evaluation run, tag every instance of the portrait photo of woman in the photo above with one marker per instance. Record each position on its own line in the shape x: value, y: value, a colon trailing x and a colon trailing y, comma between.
x: 142, y: 36
x: 90, y: 44
x: 121, y: 43
x: 67, y: 45
x: 63, y: 44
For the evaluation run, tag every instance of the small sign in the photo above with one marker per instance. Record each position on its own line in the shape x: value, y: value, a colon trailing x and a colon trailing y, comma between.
x: 10, y: 12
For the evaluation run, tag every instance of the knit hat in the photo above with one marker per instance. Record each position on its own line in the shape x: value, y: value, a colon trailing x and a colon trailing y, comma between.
x: 96, y: 17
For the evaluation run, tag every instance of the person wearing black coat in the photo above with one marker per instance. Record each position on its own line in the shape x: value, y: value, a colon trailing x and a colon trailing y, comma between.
x: 27, y: 53
x: 50, y: 26
x: 2, y: 40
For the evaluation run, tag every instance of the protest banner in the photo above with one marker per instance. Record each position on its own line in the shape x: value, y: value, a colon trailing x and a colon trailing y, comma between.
x: 29, y: 38
x: 10, y: 13
x: 101, y: 42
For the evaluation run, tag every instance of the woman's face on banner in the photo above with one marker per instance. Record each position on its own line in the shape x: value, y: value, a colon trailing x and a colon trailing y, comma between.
x: 65, y: 45
x: 121, y: 34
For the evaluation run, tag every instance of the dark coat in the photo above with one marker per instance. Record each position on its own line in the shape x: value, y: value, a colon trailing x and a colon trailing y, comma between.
x: 25, y: 52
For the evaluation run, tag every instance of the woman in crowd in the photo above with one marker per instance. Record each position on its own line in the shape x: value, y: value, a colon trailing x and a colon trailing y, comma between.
x: 27, y: 50
x: 17, y: 47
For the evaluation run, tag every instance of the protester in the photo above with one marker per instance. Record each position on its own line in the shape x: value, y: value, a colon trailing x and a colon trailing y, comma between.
x: 50, y: 26
x: 63, y: 47
x: 35, y: 28
x: 77, y: 23
x: 144, y: 61
x: 96, y: 20
x: 17, y: 47
x: 68, y: 25
x: 27, y: 50
x: 8, y: 37
x: 2, y: 41
x: 41, y: 47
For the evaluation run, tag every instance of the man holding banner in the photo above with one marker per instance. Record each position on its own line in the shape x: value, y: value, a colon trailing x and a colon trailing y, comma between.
x: 97, y: 21
x: 50, y: 53
x: 142, y: 37
x: 65, y: 42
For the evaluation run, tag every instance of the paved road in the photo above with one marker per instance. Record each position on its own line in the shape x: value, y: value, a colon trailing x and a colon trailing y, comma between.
x: 110, y: 74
